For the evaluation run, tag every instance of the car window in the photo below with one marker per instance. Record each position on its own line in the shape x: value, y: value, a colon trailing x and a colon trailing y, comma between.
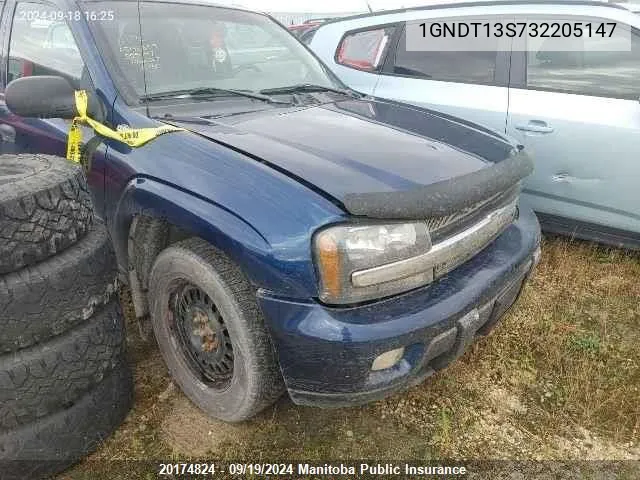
x: 365, y: 49
x: 589, y: 70
x: 455, y: 66
x: 168, y: 47
x: 41, y: 46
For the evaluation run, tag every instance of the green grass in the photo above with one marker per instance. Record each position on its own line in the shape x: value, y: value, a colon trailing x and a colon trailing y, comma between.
x: 558, y: 379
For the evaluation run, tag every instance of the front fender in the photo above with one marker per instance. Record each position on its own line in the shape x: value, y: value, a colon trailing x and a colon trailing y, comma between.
x: 266, y: 268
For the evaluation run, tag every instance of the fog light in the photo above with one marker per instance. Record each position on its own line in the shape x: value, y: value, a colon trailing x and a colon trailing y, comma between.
x: 387, y: 359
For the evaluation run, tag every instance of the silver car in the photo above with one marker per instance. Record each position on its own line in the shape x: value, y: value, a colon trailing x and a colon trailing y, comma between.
x: 576, y: 112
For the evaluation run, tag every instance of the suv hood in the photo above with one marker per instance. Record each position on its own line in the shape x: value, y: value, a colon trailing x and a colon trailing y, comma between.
x: 355, y: 147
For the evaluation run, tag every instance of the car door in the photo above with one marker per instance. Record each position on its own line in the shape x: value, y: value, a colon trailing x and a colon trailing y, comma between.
x: 578, y: 114
x: 470, y: 85
x: 33, y: 44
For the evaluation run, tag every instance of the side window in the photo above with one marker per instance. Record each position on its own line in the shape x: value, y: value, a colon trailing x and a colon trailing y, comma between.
x: 454, y: 66
x: 39, y: 46
x: 588, y: 69
x: 365, y: 49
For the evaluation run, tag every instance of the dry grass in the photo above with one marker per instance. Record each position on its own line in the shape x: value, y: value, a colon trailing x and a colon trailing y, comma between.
x: 559, y: 379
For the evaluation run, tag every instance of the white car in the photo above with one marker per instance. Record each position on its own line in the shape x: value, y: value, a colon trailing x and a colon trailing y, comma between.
x: 634, y: 7
x: 576, y: 112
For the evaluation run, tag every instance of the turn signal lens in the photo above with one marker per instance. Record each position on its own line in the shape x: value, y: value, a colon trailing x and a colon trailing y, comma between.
x: 329, y: 263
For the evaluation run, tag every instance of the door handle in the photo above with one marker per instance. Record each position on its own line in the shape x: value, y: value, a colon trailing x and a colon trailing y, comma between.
x: 537, y: 126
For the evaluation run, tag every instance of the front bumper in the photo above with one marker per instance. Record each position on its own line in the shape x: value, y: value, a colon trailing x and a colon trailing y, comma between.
x: 326, y: 353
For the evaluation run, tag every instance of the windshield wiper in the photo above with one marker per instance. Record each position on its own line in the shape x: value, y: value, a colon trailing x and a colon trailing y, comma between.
x: 309, y: 87
x: 168, y: 117
x: 212, y: 91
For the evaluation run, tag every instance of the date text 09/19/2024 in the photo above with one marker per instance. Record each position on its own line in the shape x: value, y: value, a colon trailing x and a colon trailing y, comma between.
x: 209, y: 469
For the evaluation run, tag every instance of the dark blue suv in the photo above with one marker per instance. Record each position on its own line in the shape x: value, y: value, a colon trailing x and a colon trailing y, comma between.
x: 295, y: 234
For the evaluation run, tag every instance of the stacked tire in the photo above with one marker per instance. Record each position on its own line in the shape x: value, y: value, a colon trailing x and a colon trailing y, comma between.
x: 65, y: 383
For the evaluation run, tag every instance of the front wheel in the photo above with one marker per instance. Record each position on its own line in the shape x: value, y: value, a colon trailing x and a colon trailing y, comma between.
x: 211, y: 332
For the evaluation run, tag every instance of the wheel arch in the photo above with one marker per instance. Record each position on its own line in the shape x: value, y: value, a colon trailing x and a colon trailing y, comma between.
x: 152, y: 215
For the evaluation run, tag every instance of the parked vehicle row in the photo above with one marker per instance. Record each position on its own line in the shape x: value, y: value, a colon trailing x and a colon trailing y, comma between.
x: 302, y: 29
x: 65, y: 383
x: 577, y: 113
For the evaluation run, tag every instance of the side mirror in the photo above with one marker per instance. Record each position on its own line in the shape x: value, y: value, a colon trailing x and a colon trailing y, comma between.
x: 45, y: 96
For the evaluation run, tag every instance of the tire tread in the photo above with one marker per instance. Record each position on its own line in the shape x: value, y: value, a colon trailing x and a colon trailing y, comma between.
x: 271, y: 381
x: 56, y: 442
x: 48, y: 299
x: 43, y: 212
x: 46, y: 378
x: 261, y: 381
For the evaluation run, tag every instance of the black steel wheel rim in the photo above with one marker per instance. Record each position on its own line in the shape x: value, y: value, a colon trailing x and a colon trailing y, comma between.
x: 202, y: 334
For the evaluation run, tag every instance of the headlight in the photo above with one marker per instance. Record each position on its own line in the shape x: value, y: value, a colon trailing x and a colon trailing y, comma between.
x: 344, y: 249
x: 364, y: 262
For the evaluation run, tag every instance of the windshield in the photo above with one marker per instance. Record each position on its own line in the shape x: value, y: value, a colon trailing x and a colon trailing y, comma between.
x: 176, y: 47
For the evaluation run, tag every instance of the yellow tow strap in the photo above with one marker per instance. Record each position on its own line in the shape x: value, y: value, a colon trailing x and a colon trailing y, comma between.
x: 134, y: 137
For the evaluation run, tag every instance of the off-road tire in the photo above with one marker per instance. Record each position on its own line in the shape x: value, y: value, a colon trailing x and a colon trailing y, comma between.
x: 50, y: 298
x: 58, y: 441
x: 45, y: 207
x: 46, y: 378
x: 256, y: 382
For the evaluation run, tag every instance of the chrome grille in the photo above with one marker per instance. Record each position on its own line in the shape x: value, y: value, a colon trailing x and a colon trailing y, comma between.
x: 443, y: 256
x: 434, y: 224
